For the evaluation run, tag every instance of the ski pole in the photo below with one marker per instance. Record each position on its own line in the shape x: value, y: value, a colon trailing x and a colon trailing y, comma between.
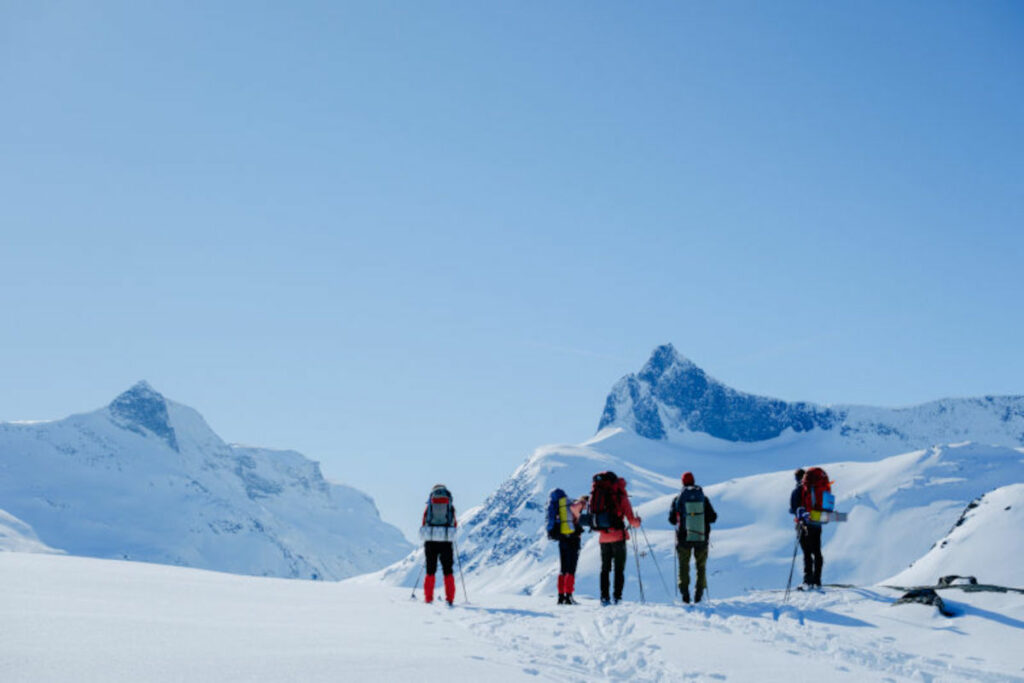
x: 792, y: 564
x: 655, y: 558
x: 417, y: 584
x: 639, y: 579
x: 465, y: 595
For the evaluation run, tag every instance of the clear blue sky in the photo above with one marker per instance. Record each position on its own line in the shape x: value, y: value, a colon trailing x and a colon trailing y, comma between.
x: 415, y: 240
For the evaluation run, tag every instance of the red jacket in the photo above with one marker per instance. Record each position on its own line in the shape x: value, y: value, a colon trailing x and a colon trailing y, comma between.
x: 625, y: 510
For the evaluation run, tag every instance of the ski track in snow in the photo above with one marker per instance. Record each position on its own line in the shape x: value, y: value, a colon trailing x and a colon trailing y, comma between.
x: 69, y: 618
x: 588, y: 642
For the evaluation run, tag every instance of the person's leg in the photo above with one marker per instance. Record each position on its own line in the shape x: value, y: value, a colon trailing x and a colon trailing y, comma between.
x: 573, y: 555
x: 819, y: 561
x: 807, y: 546
x: 700, y: 556
x: 572, y: 559
x: 563, y: 563
x: 619, y: 553
x: 683, y: 554
x: 430, y: 549
x: 606, y: 567
x: 448, y: 567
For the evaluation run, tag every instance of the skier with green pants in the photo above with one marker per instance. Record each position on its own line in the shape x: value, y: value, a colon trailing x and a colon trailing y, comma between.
x: 692, y: 515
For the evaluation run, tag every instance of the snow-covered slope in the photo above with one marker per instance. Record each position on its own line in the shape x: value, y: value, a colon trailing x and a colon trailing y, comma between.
x: 902, y: 488
x: 897, y: 508
x: 146, y: 479
x: 86, y: 620
x: 16, y: 536
x: 987, y: 541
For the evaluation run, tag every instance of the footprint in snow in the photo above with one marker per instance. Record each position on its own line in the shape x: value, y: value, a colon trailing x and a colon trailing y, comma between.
x: 532, y: 672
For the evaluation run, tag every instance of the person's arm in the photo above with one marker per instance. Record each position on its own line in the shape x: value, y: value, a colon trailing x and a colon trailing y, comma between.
x: 455, y: 522
x: 634, y: 521
x: 709, y: 512
x: 673, y: 517
x: 576, y: 509
x: 794, y: 500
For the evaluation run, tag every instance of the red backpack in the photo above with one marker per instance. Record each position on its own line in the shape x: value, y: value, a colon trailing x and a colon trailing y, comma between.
x: 605, y: 510
x: 817, y: 495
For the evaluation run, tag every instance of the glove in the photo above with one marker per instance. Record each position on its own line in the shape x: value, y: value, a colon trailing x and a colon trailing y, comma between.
x: 635, y: 523
x: 803, y: 515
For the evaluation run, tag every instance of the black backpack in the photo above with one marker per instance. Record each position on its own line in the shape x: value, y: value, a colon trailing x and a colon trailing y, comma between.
x: 439, y: 507
x: 605, y: 510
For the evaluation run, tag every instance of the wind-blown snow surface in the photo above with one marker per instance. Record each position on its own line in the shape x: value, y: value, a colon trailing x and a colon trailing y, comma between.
x: 71, y: 618
x: 146, y: 479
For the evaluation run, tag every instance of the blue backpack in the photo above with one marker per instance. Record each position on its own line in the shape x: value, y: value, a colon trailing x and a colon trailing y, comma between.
x: 559, y: 516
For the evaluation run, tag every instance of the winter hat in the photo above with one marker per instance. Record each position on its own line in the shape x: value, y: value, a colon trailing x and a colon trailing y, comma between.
x: 799, y: 474
x: 687, y: 478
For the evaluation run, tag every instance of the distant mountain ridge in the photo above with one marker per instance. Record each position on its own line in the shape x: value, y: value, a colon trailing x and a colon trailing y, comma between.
x: 146, y: 479
x: 671, y: 395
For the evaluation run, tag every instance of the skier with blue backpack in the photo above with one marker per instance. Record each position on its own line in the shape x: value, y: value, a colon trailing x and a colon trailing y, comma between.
x: 438, y: 534
x: 812, y: 504
x: 692, y: 515
x: 564, y: 526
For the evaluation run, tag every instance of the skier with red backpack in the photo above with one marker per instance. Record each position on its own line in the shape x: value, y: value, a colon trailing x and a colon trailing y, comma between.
x: 811, y: 504
x: 609, y: 507
x: 565, y: 527
x: 692, y: 515
x: 438, y: 533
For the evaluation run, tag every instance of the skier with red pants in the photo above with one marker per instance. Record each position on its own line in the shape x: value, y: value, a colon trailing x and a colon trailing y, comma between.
x: 438, y: 532
x: 564, y: 526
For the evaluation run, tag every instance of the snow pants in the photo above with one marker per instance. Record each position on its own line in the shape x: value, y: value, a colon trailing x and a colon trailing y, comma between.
x: 442, y: 550
x: 439, y: 550
x: 810, y: 543
x: 568, y: 554
x: 700, y: 556
x: 615, y: 551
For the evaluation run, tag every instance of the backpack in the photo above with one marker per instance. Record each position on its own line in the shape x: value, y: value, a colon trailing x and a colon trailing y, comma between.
x: 690, y: 523
x: 439, y: 507
x: 605, y: 511
x: 817, y: 495
x: 560, y: 522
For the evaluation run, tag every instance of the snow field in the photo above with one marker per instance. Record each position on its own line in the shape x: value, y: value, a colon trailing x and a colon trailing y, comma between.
x: 70, y: 618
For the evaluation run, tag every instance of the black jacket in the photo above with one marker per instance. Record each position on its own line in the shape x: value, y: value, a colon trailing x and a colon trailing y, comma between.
x: 796, y: 499
x: 710, y: 517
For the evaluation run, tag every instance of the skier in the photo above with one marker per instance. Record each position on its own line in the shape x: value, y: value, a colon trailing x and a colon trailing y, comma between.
x: 564, y: 526
x: 609, y: 504
x: 808, y: 531
x: 692, y: 515
x: 438, y: 531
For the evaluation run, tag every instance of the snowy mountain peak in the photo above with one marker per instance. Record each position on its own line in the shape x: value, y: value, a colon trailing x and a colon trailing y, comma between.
x: 146, y: 478
x: 144, y: 408
x: 671, y: 397
x: 671, y: 393
x: 666, y: 358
